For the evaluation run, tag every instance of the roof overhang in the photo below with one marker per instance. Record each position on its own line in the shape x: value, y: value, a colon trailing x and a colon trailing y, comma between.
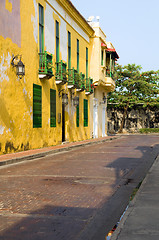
x: 103, y: 45
x: 76, y: 15
x: 113, y: 51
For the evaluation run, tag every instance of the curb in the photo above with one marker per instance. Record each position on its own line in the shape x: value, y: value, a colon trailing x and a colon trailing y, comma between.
x: 58, y: 150
x: 131, y: 205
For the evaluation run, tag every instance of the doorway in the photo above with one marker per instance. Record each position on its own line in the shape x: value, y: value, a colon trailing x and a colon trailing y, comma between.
x: 103, y: 122
x: 95, y: 121
x: 63, y: 122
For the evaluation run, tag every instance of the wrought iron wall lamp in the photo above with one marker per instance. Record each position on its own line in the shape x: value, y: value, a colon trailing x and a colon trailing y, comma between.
x: 64, y: 97
x: 20, y: 67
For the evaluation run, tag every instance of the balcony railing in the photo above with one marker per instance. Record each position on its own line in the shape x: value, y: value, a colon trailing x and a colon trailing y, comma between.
x: 61, y: 73
x: 82, y: 85
x: 89, y: 86
x: 45, y: 65
x: 73, y: 78
x: 78, y: 81
x: 109, y: 73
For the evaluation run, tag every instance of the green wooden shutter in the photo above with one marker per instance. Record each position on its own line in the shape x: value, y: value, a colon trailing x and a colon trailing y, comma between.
x: 52, y: 108
x: 57, y: 42
x: 77, y: 115
x: 69, y: 50
x: 77, y: 55
x: 37, y: 106
x: 41, y: 29
x: 102, y: 57
x: 85, y: 113
x: 86, y: 62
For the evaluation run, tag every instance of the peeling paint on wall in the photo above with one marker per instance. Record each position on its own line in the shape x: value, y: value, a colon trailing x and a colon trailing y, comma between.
x: 63, y: 39
x: 10, y: 21
x: 24, y: 91
x: 35, y: 22
x: 1, y: 129
x: 4, y: 65
x: 49, y: 30
x: 16, y: 95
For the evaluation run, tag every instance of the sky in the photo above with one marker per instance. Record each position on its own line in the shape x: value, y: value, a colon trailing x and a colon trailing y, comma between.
x: 131, y: 25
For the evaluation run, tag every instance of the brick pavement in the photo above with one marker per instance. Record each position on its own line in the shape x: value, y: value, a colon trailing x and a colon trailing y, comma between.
x: 41, y: 152
x: 59, y: 195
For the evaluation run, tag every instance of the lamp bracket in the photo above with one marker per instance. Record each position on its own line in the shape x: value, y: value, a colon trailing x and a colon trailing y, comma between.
x: 15, y: 57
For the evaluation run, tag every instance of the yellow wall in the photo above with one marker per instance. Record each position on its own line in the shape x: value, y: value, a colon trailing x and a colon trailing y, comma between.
x: 16, y: 95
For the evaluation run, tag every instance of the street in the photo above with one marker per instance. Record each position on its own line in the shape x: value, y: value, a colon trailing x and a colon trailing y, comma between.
x: 73, y: 195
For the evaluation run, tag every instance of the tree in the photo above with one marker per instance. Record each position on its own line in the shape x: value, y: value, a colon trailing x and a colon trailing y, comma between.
x: 134, y: 87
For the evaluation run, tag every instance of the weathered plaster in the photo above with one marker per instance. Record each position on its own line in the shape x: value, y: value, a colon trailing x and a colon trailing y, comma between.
x: 4, y: 65
x: 1, y: 129
x: 10, y: 21
x: 34, y: 20
x: 49, y: 30
x: 8, y: 5
x: 16, y: 95
x: 63, y: 40
x: 68, y: 19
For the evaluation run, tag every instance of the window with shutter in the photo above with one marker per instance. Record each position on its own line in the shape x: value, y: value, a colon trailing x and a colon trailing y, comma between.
x: 77, y: 115
x: 37, y: 106
x: 57, y: 42
x: 41, y: 29
x: 69, y: 50
x: 86, y: 62
x: 85, y: 113
x: 52, y: 108
x: 78, y: 55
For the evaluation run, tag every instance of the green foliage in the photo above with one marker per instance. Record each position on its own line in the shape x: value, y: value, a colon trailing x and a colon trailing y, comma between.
x: 149, y: 130
x: 135, y: 87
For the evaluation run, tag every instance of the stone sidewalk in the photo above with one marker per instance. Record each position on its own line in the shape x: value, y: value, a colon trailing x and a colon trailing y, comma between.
x: 42, y: 152
x: 141, y: 219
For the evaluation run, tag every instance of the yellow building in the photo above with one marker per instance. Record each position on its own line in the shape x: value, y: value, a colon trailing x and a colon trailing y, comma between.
x: 102, y: 62
x: 46, y: 101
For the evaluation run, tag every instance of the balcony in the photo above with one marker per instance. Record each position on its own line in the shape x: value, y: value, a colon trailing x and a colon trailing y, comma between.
x: 89, y: 86
x: 45, y: 65
x: 82, y: 83
x: 79, y: 81
x: 73, y: 78
x: 61, y: 73
x: 109, y: 81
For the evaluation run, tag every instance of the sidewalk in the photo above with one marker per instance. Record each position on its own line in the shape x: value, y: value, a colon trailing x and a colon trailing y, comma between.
x: 42, y: 152
x: 141, y: 220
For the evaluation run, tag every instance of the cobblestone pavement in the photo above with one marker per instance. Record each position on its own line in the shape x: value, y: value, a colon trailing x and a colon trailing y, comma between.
x: 58, y: 197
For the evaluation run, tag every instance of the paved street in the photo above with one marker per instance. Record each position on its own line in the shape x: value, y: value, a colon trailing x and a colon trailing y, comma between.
x: 77, y: 194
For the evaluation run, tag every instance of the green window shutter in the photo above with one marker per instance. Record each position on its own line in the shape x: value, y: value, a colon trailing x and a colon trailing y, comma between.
x: 52, y: 108
x: 86, y: 62
x: 102, y: 56
x: 85, y: 113
x: 37, y: 106
x: 77, y: 115
x: 77, y: 55
x: 69, y: 50
x: 41, y: 28
x: 57, y: 42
